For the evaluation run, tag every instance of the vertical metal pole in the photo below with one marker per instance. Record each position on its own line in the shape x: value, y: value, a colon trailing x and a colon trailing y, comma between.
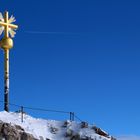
x: 6, y: 68
x: 21, y: 113
x: 6, y: 44
x: 73, y: 116
x: 6, y: 80
x: 70, y: 116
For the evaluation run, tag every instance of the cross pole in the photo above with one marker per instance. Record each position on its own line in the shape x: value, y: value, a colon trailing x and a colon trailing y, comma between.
x: 6, y: 44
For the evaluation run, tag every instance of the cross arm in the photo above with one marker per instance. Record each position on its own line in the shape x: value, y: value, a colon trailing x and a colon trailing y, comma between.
x: 10, y: 25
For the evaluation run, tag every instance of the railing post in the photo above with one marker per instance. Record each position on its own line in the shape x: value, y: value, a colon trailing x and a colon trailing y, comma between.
x: 70, y: 116
x: 73, y: 116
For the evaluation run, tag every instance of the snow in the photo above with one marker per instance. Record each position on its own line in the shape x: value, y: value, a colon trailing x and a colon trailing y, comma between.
x: 50, y: 129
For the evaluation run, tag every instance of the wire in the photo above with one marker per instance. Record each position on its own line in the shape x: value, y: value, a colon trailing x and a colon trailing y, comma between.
x: 77, y: 118
x: 46, y: 110
x: 40, y: 109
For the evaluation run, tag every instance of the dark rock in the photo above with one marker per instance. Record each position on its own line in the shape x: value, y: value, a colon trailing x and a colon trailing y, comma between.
x: 1, y: 124
x: 13, y: 132
x: 9, y: 132
x: 84, y: 125
x: 18, y: 127
x: 66, y: 123
x: 26, y: 136
x: 100, y: 132
x: 76, y: 137
x: 69, y: 133
x: 53, y: 130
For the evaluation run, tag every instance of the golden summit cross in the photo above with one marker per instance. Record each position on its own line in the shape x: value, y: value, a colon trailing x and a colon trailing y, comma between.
x: 6, y: 44
x: 7, y: 25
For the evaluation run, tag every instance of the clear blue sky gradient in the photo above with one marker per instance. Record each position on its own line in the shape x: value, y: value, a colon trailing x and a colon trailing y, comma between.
x: 87, y: 59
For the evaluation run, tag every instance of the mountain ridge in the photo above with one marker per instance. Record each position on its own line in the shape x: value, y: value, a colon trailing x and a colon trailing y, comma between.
x: 41, y: 129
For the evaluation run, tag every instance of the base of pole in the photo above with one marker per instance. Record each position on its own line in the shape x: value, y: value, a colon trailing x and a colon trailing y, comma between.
x: 6, y: 104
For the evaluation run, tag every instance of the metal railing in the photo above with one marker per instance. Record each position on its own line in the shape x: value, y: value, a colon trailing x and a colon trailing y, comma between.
x: 22, y: 109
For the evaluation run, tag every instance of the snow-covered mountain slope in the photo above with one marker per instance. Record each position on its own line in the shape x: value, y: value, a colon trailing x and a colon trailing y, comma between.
x: 55, y: 130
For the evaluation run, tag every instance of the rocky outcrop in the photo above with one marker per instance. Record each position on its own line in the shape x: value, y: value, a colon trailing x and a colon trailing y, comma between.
x: 9, y: 131
x: 13, y: 132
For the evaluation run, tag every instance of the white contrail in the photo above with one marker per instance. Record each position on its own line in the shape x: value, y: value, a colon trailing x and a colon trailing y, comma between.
x: 41, y: 32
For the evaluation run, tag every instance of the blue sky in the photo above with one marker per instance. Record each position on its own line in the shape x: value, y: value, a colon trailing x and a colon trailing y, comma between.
x: 78, y: 55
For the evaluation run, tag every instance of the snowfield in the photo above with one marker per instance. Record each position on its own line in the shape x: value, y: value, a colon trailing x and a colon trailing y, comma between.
x: 51, y: 129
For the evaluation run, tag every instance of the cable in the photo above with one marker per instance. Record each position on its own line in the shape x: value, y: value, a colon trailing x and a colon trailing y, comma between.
x: 40, y: 109
x: 77, y: 118
x: 46, y: 110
